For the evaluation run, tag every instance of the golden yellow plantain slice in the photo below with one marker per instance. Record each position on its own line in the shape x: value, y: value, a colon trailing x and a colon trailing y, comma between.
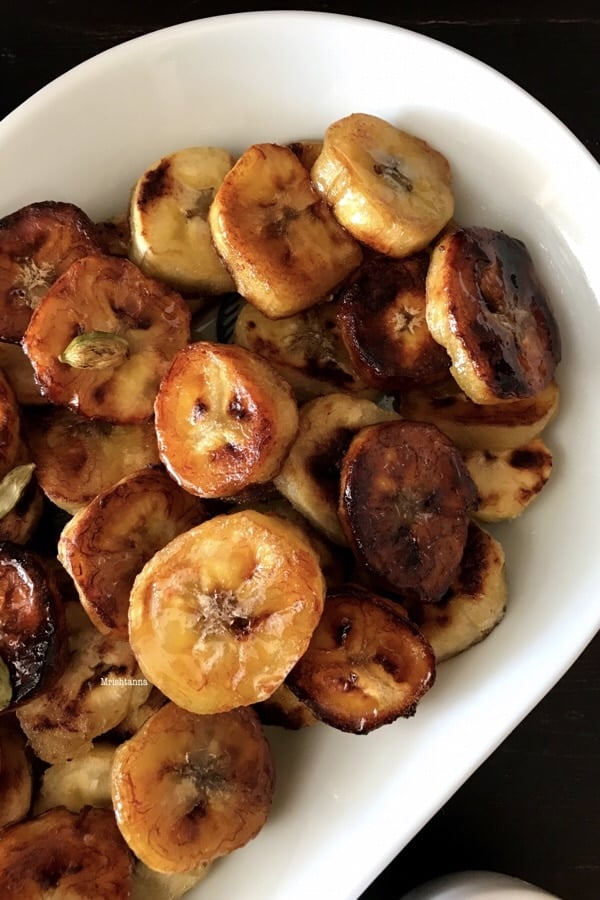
x: 188, y: 789
x: 277, y: 236
x: 225, y: 419
x: 65, y: 856
x: 487, y: 307
x: 493, y: 426
x: 366, y: 664
x: 390, y: 189
x: 475, y: 602
x: 15, y: 773
x: 103, y: 337
x: 37, y: 244
x: 91, y: 696
x: 508, y: 480
x: 310, y: 476
x: 76, y: 459
x: 77, y: 783
x: 405, y: 495
x: 105, y: 544
x: 219, y: 616
x: 381, y: 319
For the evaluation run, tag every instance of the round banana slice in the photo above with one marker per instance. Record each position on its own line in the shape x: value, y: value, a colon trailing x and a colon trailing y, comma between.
x: 487, y: 307
x: 76, y: 783
x: 106, y: 544
x: 91, y: 696
x: 18, y: 370
x: 306, y: 349
x: 15, y: 773
x: 37, y: 244
x: 219, y: 616
x: 60, y: 854
x: 103, y: 337
x: 405, y: 496
x: 390, y: 189
x: 188, y: 789
x: 276, y: 235
x: 493, y: 426
x: 170, y: 237
x: 508, y: 480
x: 284, y: 709
x: 32, y: 625
x: 310, y: 476
x: 475, y: 602
x: 307, y: 151
x: 382, y: 324
x: 76, y: 459
x: 225, y: 419
x: 366, y: 664
x: 150, y: 885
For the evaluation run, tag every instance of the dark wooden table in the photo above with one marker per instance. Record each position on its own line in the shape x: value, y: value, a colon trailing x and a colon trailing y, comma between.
x: 532, y: 810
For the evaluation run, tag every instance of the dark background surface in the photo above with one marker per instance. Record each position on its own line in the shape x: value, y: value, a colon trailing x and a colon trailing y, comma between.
x: 532, y: 810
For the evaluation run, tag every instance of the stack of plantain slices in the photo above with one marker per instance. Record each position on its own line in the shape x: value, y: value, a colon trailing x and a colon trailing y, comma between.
x: 200, y: 537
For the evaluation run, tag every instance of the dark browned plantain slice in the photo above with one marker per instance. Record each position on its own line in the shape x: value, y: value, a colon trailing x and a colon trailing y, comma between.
x: 106, y: 544
x: 188, y: 789
x: 18, y: 370
x: 381, y: 318
x: 71, y: 856
x: 488, y: 308
x: 10, y: 427
x: 32, y: 625
x: 366, y: 665
x: 15, y: 773
x: 37, y: 244
x: 284, y: 709
x: 103, y: 337
x: 77, y: 458
x: 404, y: 502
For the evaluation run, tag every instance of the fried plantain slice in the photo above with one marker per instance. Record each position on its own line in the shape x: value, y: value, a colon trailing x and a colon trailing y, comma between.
x: 18, y: 370
x: 150, y: 885
x: 106, y: 544
x: 10, y: 427
x: 219, y: 616
x: 366, y: 665
x: 103, y: 337
x: 75, y: 856
x: 77, y: 783
x: 139, y: 713
x: 381, y: 318
x: 307, y: 151
x: 37, y: 244
x: 16, y: 783
x: 91, y: 696
x: 493, y: 426
x: 225, y: 419
x: 405, y: 496
x: 284, y: 709
x: 32, y: 624
x: 188, y: 789
x: 487, y: 307
x: 474, y: 603
x: 77, y: 458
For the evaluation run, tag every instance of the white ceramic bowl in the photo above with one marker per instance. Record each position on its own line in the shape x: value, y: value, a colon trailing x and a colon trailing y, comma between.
x: 346, y: 805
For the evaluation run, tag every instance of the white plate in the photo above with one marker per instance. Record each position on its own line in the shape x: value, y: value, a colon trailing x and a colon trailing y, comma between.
x: 345, y: 805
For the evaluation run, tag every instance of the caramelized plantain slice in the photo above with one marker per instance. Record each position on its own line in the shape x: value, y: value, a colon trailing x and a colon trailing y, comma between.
x: 188, y: 789
x: 15, y: 773
x: 32, y: 624
x: 404, y: 502
x: 103, y: 337
x: 382, y: 323
x: 37, y: 244
x: 17, y: 368
x: 307, y: 151
x: 75, y: 856
x: 366, y: 664
x: 10, y: 427
x: 139, y: 713
x: 283, y: 708
x: 106, y: 544
x: 77, y: 458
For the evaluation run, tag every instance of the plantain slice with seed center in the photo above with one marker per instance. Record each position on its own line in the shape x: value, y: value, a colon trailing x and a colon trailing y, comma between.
x: 366, y: 664
x: 15, y: 773
x: 487, y: 306
x: 37, y: 244
x: 225, y: 419
x: 67, y: 856
x: 103, y: 337
x: 219, y: 616
x: 188, y: 789
x: 405, y: 495
x: 106, y: 544
x: 381, y: 318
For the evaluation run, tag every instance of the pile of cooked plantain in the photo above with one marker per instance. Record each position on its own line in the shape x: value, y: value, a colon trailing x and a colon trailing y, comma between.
x: 281, y: 528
